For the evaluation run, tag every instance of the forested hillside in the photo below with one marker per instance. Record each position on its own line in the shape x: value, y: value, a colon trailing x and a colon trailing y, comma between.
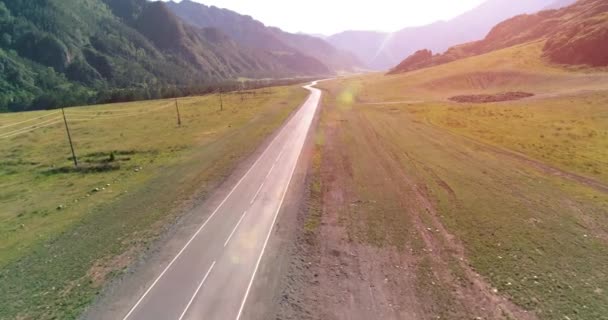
x: 65, y: 52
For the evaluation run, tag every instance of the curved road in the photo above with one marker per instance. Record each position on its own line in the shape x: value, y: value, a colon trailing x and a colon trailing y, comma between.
x: 210, y: 278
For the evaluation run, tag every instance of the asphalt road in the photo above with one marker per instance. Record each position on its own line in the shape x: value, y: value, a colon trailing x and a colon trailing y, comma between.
x: 210, y: 278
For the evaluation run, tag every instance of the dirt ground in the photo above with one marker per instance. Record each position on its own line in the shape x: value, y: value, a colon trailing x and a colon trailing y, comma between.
x: 487, y: 98
x: 335, y: 276
x: 405, y: 220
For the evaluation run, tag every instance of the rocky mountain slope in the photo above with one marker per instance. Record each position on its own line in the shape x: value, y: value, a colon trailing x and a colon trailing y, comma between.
x: 575, y: 35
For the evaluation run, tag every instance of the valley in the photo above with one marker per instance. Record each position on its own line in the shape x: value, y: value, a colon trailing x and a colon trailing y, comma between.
x: 182, y: 160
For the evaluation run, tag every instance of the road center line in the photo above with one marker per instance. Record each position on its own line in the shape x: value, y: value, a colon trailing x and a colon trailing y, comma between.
x: 238, y: 317
x: 235, y: 227
x: 200, y: 285
x: 293, y: 170
x: 280, y: 154
x: 276, y: 138
x: 257, y: 192
x: 270, y: 171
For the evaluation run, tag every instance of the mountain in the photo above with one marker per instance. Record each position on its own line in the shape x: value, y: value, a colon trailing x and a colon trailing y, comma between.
x: 318, y: 35
x: 65, y: 52
x: 382, y: 50
x: 574, y: 35
x: 253, y: 34
x: 366, y: 45
x: 214, y: 53
x: 337, y: 60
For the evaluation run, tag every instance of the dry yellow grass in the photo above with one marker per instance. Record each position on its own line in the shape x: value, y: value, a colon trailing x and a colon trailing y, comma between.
x: 521, y: 184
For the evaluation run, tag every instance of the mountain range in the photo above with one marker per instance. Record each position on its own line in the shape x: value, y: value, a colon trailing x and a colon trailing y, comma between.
x: 57, y: 53
x: 573, y: 35
x: 255, y: 35
x: 381, y: 51
x: 67, y: 52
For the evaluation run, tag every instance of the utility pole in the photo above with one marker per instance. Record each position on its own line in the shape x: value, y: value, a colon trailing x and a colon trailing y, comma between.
x: 67, y: 129
x: 241, y: 92
x: 221, y: 101
x: 179, y: 118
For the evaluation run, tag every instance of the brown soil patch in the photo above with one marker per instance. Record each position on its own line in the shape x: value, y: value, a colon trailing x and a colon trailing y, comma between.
x: 487, y: 98
x: 338, y: 273
x: 102, y: 268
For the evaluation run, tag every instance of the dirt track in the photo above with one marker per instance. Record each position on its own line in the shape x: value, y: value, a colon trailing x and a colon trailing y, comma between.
x: 335, y: 274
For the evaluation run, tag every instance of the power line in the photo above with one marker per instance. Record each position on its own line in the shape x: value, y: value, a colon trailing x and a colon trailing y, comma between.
x: 103, y: 117
x: 32, y: 126
x: 110, y: 116
x: 32, y: 119
x: 105, y: 111
x: 23, y: 132
x: 108, y: 110
x: 53, y: 121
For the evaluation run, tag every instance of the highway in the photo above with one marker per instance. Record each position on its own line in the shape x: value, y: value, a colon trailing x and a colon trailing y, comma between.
x: 211, y: 276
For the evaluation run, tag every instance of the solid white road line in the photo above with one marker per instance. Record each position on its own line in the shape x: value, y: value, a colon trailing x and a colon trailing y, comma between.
x: 203, y: 226
x: 235, y: 227
x: 274, y: 220
x: 281, y: 133
x: 196, y: 292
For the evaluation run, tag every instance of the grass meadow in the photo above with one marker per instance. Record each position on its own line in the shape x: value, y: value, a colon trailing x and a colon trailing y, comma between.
x: 65, y: 231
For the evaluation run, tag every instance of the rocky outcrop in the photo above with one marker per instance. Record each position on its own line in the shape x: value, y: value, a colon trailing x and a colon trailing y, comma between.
x: 578, y: 45
x: 419, y: 59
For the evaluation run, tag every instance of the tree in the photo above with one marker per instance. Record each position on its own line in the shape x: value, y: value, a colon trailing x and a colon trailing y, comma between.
x: 6, y: 40
x: 4, y: 12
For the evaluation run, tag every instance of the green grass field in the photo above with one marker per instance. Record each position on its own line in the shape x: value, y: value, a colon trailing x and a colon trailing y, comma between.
x: 509, y: 180
x: 569, y: 132
x: 64, y: 232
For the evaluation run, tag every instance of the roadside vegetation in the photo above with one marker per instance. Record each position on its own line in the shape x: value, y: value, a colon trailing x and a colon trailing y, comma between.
x: 66, y: 231
x: 464, y: 210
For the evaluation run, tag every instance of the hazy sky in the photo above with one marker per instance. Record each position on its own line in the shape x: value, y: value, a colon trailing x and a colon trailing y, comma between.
x: 332, y: 16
